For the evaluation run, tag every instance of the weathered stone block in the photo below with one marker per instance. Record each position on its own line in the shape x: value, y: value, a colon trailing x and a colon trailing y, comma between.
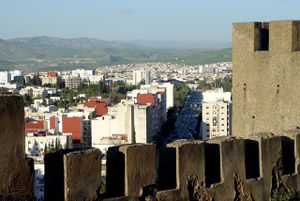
x: 139, y: 162
x: 16, y: 172
x: 265, y: 83
x: 72, y: 175
x: 190, y: 165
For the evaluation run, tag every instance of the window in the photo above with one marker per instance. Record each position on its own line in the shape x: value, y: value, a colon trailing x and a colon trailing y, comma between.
x: 261, y: 42
x: 296, y: 36
x: 252, y: 159
x: 212, y: 167
x: 214, y: 121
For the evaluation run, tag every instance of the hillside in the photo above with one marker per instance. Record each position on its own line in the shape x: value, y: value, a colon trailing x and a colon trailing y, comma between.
x: 42, y: 53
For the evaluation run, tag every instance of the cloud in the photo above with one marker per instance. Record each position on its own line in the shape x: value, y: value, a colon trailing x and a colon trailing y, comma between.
x: 126, y: 11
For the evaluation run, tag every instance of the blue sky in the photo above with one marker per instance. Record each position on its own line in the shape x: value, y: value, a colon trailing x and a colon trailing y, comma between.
x: 189, y: 20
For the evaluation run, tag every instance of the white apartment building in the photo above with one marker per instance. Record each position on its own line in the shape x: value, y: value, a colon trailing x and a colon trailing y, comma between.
x: 82, y: 73
x: 169, y: 90
x: 15, y: 73
x: 169, y: 93
x: 5, y: 77
x: 117, y: 123
x: 49, y: 80
x: 145, y: 123
x: 216, y: 114
x: 125, y: 122
x: 7, y: 85
x: 139, y: 75
x: 35, y: 145
x: 34, y: 91
x: 95, y: 79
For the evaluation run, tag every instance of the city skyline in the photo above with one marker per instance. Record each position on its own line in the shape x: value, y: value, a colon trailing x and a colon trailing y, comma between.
x: 137, y: 20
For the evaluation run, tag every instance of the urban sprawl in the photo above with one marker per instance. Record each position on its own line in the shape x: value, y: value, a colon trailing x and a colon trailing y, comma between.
x: 121, y: 104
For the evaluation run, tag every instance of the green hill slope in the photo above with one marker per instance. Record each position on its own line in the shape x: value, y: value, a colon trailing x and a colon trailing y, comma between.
x: 37, y: 53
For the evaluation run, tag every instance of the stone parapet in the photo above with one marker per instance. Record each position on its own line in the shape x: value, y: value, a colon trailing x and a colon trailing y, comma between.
x: 16, y: 171
x: 73, y: 175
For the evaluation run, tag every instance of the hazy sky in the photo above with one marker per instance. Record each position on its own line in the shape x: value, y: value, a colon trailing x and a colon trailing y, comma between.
x: 182, y: 20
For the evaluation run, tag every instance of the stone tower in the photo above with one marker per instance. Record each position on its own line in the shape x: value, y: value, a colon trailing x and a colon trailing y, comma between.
x: 266, y: 77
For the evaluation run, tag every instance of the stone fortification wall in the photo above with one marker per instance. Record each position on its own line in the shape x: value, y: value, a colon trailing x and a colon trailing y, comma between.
x: 72, y: 175
x: 266, y: 71
x: 263, y: 167
x: 16, y: 171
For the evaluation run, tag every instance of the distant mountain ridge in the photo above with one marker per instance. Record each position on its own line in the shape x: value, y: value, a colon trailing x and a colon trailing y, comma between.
x: 87, y: 43
x: 25, y: 51
x: 203, y: 45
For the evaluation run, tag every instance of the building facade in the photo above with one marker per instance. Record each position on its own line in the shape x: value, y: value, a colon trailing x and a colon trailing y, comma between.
x: 266, y: 60
x: 72, y: 82
x: 216, y: 114
x: 139, y: 75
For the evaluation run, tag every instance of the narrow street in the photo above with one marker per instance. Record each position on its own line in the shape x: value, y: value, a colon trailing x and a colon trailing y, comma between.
x: 187, y: 121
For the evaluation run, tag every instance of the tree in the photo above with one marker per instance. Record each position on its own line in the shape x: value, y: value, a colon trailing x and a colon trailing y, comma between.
x: 203, y: 85
x: 139, y: 84
x: 46, y: 148
x: 53, y: 146
x: 35, y: 149
x: 227, y: 84
x: 89, y: 90
x: 121, y: 89
x: 35, y: 80
x: 116, y: 97
x: 67, y: 96
x: 180, y: 94
x: 27, y: 100
x: 103, y: 88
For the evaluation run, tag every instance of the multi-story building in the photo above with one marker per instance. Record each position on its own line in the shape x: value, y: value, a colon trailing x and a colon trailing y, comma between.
x: 15, y: 74
x: 34, y: 91
x: 82, y: 73
x: 127, y: 122
x: 216, y: 114
x: 99, y: 104
x: 145, y: 123
x: 50, y: 78
x: 7, y: 85
x: 72, y: 82
x: 117, y: 123
x: 5, y: 77
x: 166, y: 87
x: 169, y: 93
x: 95, y: 79
x: 139, y: 75
x: 38, y: 145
